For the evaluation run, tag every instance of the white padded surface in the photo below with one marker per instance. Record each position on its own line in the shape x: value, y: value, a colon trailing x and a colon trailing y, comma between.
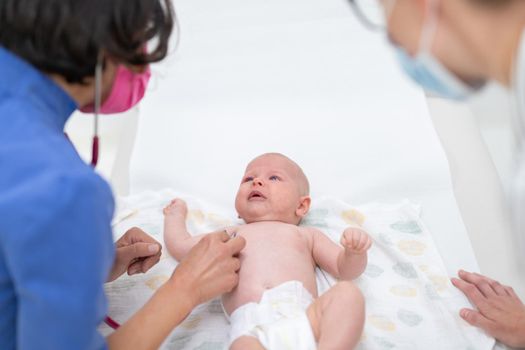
x: 305, y: 79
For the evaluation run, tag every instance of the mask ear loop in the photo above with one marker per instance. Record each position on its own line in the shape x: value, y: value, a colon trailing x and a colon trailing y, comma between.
x: 98, y: 97
x: 430, y: 23
x: 517, y: 89
x: 389, y: 9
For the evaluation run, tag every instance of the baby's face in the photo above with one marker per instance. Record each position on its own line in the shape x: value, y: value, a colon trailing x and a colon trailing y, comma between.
x: 272, y: 189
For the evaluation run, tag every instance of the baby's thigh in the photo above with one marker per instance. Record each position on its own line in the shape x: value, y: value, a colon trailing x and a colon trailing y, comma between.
x: 340, y: 306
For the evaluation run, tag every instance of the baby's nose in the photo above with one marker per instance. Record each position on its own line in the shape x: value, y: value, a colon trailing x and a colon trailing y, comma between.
x: 257, y: 182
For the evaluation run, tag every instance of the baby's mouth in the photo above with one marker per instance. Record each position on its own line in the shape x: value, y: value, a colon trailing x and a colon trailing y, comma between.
x: 256, y: 196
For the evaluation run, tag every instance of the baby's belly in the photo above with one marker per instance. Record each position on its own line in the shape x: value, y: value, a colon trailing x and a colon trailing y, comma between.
x: 258, y: 275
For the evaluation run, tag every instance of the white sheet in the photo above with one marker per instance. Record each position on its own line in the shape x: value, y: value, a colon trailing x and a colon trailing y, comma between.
x: 410, y: 302
x: 300, y: 77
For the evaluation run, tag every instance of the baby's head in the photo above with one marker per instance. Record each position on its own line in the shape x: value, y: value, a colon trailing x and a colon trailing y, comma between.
x: 274, y: 188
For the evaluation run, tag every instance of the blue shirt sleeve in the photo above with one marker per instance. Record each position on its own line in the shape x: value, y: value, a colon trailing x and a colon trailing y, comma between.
x: 60, y: 261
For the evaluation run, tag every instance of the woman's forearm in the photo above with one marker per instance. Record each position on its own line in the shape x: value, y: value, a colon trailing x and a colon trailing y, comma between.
x: 150, y: 326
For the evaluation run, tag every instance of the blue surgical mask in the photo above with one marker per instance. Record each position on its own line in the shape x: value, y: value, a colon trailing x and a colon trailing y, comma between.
x: 429, y: 72
x: 432, y: 76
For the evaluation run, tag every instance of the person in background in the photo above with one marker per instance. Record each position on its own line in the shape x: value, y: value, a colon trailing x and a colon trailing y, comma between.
x: 451, y: 48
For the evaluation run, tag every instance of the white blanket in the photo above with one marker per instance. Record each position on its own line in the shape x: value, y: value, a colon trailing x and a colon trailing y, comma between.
x: 411, y: 303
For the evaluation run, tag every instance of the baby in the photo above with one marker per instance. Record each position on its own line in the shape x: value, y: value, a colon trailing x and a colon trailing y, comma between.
x: 275, y: 305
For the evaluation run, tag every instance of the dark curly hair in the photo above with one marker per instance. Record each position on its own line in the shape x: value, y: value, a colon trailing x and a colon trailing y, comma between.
x: 65, y: 36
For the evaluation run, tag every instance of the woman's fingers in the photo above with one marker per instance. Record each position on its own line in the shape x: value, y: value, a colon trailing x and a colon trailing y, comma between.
x: 498, y: 288
x: 212, y: 266
x: 476, y: 319
x: 236, y: 264
x: 510, y: 291
x: 481, y: 282
x: 471, y: 291
x: 148, y: 263
x: 236, y: 245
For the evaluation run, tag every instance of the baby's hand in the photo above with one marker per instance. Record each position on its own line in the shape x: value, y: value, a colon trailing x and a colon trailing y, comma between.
x: 177, y: 207
x: 356, y: 241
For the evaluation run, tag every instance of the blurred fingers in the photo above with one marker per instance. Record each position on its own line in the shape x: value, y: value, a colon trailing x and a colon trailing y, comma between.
x: 471, y: 291
x: 476, y: 319
x: 481, y: 282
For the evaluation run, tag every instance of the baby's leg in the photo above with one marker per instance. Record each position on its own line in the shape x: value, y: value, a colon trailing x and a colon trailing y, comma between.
x: 337, y: 317
x: 246, y: 342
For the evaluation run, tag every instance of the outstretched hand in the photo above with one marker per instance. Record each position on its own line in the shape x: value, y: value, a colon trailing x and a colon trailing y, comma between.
x: 500, y: 311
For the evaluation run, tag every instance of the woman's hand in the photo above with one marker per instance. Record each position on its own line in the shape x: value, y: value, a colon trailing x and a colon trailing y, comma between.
x: 136, y: 252
x: 210, y: 268
x: 500, y: 312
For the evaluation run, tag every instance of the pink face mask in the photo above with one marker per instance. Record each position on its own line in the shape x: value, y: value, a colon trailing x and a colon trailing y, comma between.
x: 127, y: 91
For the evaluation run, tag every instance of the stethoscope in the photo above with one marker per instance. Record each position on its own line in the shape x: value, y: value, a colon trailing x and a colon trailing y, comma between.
x: 111, y: 322
x: 96, y: 139
x: 95, y: 149
x: 98, y: 97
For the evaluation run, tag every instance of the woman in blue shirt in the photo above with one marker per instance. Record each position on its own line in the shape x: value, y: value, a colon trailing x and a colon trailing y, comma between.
x: 56, y: 248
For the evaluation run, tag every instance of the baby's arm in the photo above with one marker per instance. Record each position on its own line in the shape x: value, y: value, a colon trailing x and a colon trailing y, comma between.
x: 343, y: 263
x: 176, y: 236
x: 352, y: 261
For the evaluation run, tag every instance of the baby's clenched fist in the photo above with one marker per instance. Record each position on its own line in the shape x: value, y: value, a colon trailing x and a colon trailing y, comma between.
x: 356, y: 241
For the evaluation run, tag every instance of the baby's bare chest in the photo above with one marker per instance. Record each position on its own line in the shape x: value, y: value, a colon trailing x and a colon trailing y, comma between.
x: 274, y: 239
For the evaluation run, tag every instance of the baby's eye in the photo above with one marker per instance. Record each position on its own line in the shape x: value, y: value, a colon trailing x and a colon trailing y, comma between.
x: 275, y: 178
x: 247, y: 179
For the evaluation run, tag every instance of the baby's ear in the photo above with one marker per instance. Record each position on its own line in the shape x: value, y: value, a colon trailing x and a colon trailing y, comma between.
x: 304, y: 206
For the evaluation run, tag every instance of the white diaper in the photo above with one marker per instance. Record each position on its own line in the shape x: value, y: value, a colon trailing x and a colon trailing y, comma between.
x: 278, y: 321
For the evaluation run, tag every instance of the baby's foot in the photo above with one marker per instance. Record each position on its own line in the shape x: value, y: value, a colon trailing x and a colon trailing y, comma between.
x: 176, y: 209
